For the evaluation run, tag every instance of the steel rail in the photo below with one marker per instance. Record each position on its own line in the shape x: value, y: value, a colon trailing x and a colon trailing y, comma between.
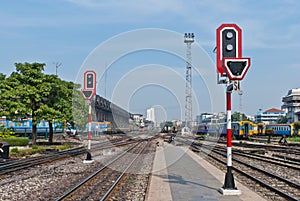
x: 283, y: 194
x: 68, y: 192
x: 121, y: 176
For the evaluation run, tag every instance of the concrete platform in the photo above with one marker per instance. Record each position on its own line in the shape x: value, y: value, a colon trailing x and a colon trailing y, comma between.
x: 181, y: 175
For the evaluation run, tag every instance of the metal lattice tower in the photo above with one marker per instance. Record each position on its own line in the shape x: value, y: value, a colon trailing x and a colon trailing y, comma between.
x: 188, y: 39
x: 240, y: 105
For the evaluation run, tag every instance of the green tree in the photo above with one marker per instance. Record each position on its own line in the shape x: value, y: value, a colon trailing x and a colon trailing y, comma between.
x: 58, y: 104
x: 2, y: 77
x: 24, y: 92
x: 30, y: 92
x: 297, y: 127
x: 282, y: 120
x: 51, y: 110
x: 79, y: 110
x: 237, y: 116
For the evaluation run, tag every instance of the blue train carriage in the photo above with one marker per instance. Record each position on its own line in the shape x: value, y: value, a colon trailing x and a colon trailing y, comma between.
x: 215, y: 129
x: 222, y: 129
x: 99, y: 127
x: 282, y: 129
x: 24, y: 126
x: 202, y: 129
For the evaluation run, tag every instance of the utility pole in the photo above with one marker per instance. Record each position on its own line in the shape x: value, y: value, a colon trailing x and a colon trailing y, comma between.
x: 57, y: 64
x: 188, y: 39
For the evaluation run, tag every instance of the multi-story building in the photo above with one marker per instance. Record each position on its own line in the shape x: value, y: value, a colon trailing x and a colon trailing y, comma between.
x: 270, y: 116
x: 150, y: 114
x: 210, y: 117
x: 138, y: 120
x: 291, y: 104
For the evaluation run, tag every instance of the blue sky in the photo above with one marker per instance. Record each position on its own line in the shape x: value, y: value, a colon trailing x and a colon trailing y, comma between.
x: 67, y: 31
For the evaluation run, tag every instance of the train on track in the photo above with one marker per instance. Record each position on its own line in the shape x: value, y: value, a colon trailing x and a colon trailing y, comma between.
x: 108, y: 128
x: 244, y: 129
x: 24, y: 126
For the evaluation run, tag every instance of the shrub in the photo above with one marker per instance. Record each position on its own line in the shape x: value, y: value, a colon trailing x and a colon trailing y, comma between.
x: 34, y: 147
x: 16, y: 141
x: 14, y: 150
x: 5, y: 132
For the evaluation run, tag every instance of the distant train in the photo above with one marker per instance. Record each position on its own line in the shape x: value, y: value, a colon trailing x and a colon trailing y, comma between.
x: 24, y: 126
x: 244, y: 129
x: 169, y: 127
x: 107, y: 127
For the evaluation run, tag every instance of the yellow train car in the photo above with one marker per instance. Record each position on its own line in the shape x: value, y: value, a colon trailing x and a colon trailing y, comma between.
x: 260, y: 129
x: 244, y: 129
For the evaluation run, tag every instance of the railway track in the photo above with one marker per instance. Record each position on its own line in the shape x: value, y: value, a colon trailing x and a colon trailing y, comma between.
x: 12, y: 166
x: 15, y: 165
x: 278, y: 176
x: 101, y: 183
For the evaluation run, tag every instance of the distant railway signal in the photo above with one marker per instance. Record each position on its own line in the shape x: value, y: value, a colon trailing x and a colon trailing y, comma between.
x: 89, y: 85
x: 229, y: 44
x: 88, y: 91
x: 89, y: 80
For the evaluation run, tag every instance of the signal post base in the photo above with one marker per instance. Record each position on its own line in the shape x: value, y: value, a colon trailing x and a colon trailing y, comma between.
x: 229, y: 186
x: 88, y: 161
x: 229, y: 191
x: 88, y: 158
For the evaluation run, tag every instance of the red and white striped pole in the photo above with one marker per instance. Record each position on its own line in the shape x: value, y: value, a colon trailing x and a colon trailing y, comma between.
x: 229, y: 180
x: 89, y: 125
x: 88, y: 154
x: 89, y: 90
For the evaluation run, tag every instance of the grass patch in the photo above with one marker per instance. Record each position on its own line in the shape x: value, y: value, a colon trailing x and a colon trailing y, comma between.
x: 61, y: 147
x: 129, y: 181
x: 293, y: 139
x: 15, y: 152
x: 35, y: 149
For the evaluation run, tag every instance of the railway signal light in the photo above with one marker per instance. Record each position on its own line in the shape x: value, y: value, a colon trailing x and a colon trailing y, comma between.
x: 89, y: 80
x: 89, y: 86
x: 229, y: 44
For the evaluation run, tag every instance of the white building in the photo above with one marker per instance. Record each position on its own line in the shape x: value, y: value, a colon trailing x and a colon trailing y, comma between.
x: 150, y: 114
x: 137, y: 118
x: 270, y: 116
x: 210, y: 117
x: 291, y: 104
